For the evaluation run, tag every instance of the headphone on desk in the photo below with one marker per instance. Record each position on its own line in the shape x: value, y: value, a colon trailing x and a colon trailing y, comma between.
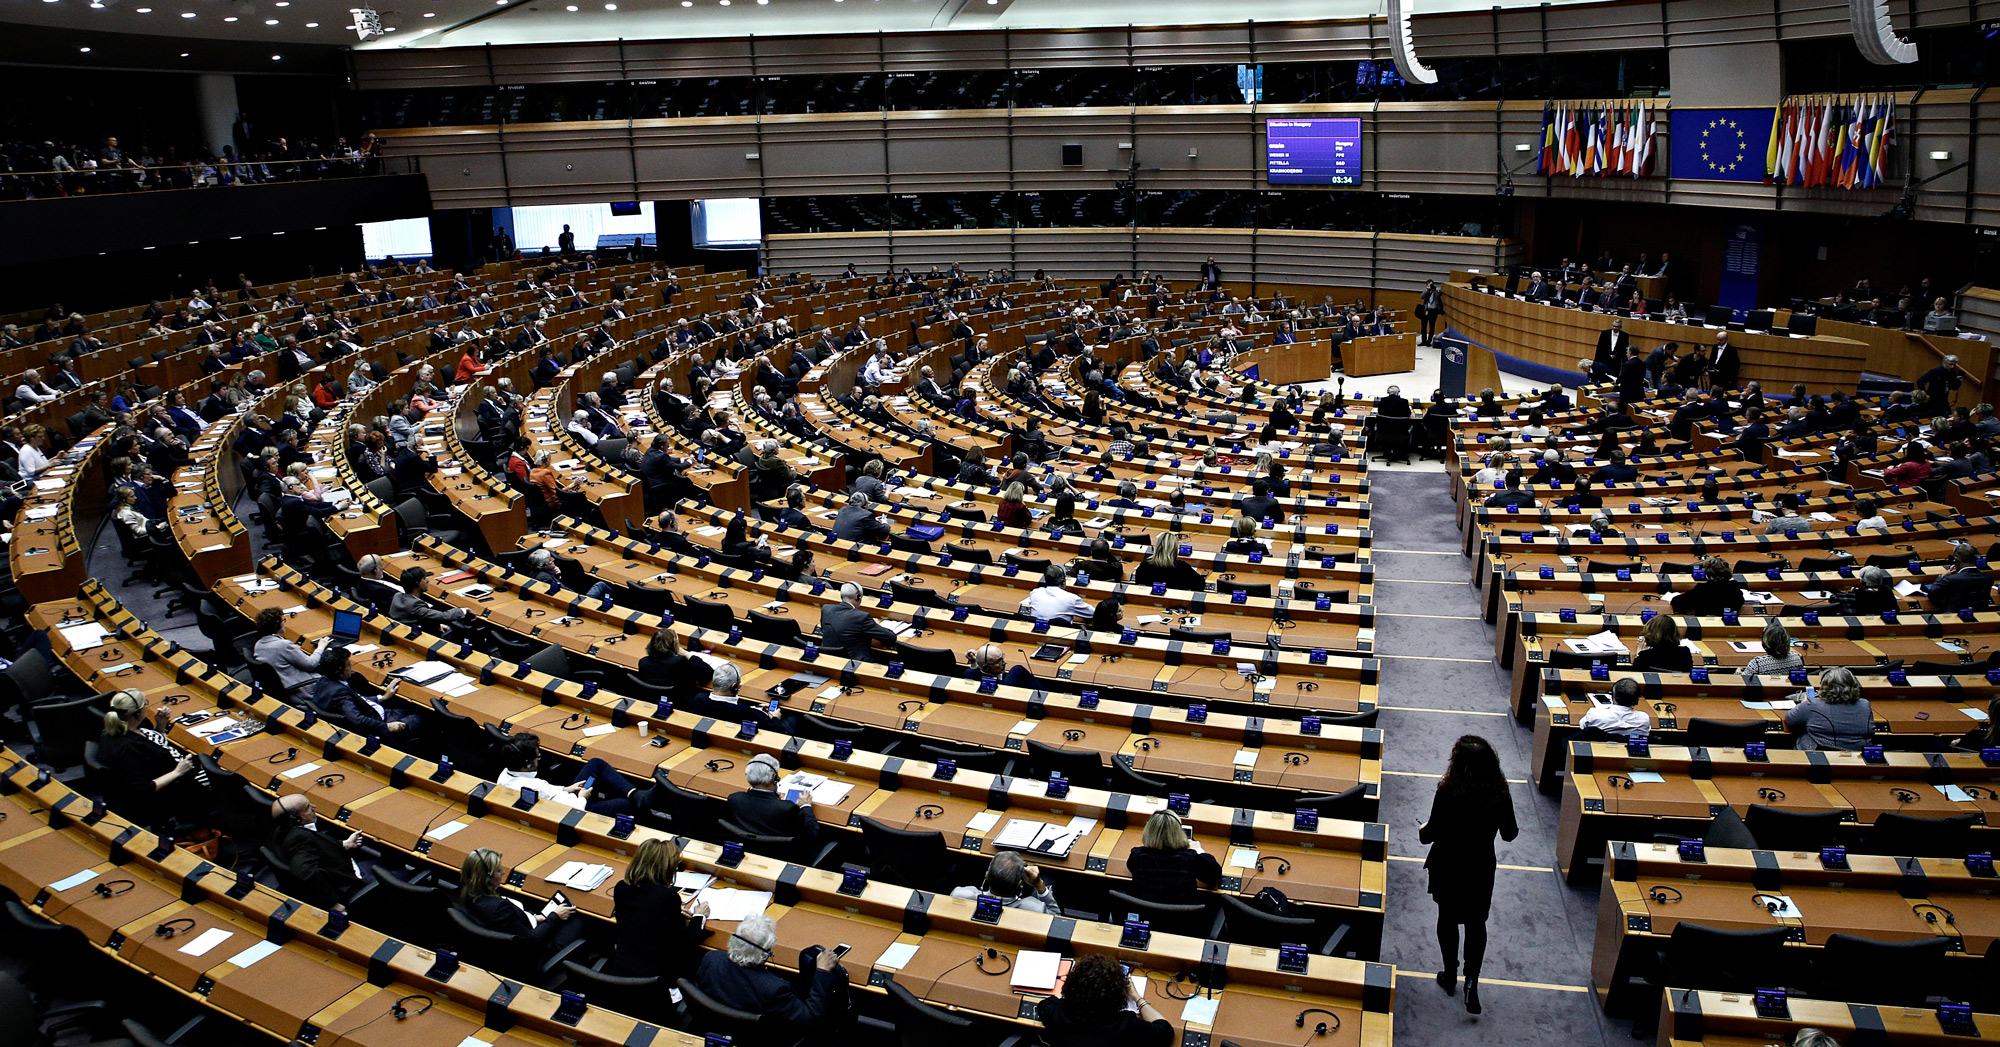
x: 1904, y: 795
x: 720, y: 765
x: 1618, y: 781
x: 401, y: 1012
x: 171, y: 927
x: 1661, y: 894
x: 1929, y: 911
x: 993, y: 954
x: 575, y: 722
x: 326, y: 781
x: 1284, y: 866
x: 106, y: 890
x: 1768, y: 793
x: 1297, y: 759
x: 1147, y: 743
x: 1073, y: 735
x: 1320, y: 1028
x: 930, y: 810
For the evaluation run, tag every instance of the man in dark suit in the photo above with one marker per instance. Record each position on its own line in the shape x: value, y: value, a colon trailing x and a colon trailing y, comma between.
x: 1966, y: 585
x: 760, y: 810
x: 1750, y: 439
x: 1211, y: 274
x: 1632, y: 377
x: 1538, y: 288
x: 846, y: 630
x: 1393, y: 405
x: 335, y: 695
x: 1430, y: 306
x: 1612, y: 342
x: 1727, y: 364
x: 1938, y: 383
x: 1553, y: 468
x: 1512, y: 494
x: 325, y: 866
x: 857, y: 522
x: 811, y: 1006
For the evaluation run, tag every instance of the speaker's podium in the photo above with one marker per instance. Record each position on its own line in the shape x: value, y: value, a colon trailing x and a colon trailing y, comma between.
x: 1379, y: 354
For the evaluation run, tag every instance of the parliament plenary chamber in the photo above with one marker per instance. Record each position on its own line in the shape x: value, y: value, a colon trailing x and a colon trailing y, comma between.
x: 1003, y: 523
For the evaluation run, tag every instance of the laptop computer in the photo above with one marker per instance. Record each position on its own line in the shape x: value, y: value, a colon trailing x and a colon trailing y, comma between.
x: 346, y: 628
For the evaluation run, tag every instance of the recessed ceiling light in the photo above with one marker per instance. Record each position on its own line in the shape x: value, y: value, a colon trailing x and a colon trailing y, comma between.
x: 229, y: 18
x: 85, y: 50
x: 725, y: 3
x: 97, y: 5
x: 430, y: 14
x: 187, y: 14
x: 277, y: 58
x: 270, y: 21
x: 143, y: 10
x: 312, y: 25
x: 184, y: 54
x: 611, y: 7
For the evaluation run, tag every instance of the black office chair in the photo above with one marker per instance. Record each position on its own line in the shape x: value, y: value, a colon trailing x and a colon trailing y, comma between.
x: 27, y: 682
x: 1985, y: 994
x: 706, y: 1015
x: 416, y: 911
x: 1723, y: 734
x: 918, y: 1024
x: 465, y: 741
x: 921, y: 596
x: 1082, y: 768
x: 1756, y: 568
x: 1240, y: 922
x: 773, y: 628
x: 1197, y: 636
x: 1127, y: 780
x: 1697, y: 956
x: 986, y: 760
x: 784, y: 848
x: 1256, y: 591
x: 1895, y: 974
x: 707, y: 614
x: 1350, y: 804
x: 60, y: 728
x: 1360, y: 719
x: 1912, y: 836
x: 691, y: 814
x: 935, y: 660
x: 639, y: 997
x: 908, y: 857
x: 1195, y: 920
x: 510, y: 955
x: 1778, y: 829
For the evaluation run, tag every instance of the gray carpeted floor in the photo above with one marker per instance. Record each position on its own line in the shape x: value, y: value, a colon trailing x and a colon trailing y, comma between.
x: 1439, y: 681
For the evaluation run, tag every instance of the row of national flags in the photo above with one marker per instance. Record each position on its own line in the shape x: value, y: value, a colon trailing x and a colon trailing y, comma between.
x: 1829, y: 141
x: 1606, y: 138
x: 1809, y: 141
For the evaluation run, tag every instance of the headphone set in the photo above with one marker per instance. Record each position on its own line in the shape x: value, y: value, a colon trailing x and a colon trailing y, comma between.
x: 991, y: 953
x: 401, y: 1012
x: 1773, y: 795
x: 1073, y: 735
x: 720, y: 765
x: 290, y: 754
x: 329, y: 780
x: 930, y: 810
x: 1188, y: 978
x: 106, y: 890
x: 1320, y: 1028
x: 173, y: 927
x: 1297, y: 759
x: 1929, y: 911
x: 904, y: 707
x: 1284, y: 866
x: 1147, y: 743
x: 1662, y: 894
x: 762, y: 949
x: 1904, y: 795
x: 575, y: 722
x: 1770, y: 903
x: 1618, y: 781
x: 1307, y: 685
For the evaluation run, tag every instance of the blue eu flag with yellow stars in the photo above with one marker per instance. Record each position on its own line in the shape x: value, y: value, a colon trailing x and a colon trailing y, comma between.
x: 1720, y: 145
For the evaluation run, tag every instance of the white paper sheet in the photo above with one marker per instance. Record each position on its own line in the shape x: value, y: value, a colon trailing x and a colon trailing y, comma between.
x: 254, y: 953
x: 1201, y: 1010
x: 729, y: 905
x: 1034, y: 969
x: 75, y: 880
x: 896, y: 956
x: 209, y: 939
x: 1645, y: 777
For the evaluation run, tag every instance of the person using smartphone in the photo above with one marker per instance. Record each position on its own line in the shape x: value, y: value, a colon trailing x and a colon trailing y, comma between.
x: 738, y: 977
x: 1099, y: 1008
x: 658, y: 931
x: 482, y: 903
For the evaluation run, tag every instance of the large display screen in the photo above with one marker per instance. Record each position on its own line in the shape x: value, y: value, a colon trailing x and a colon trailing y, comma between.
x: 1313, y: 151
x: 727, y: 222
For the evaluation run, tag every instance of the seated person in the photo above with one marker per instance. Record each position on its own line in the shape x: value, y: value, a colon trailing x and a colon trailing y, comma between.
x: 666, y: 666
x: 1717, y: 592
x: 659, y: 934
x: 1243, y: 538
x: 760, y: 810
x: 1664, y: 652
x: 1163, y: 566
x: 1778, y: 658
x: 1622, y: 717
x: 990, y: 660
x: 1097, y: 1008
x: 334, y: 695
x: 1169, y: 868
x: 598, y: 788
x: 1017, y: 884
x: 324, y: 865
x: 410, y: 608
x: 857, y: 521
x: 1832, y: 716
x: 1511, y: 494
x: 481, y: 901
x: 848, y: 631
x: 1966, y: 586
x: 724, y: 702
x: 814, y: 1003
x: 1053, y: 602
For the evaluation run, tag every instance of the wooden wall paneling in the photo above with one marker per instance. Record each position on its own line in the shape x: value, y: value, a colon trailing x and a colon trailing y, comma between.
x: 947, y: 152
x: 1067, y: 48
x: 918, y: 52
x: 556, y: 63
x: 464, y: 167
x: 555, y: 163
x: 695, y: 158
x: 806, y: 154
x: 1039, y: 135
x: 1225, y: 155
x: 691, y: 58
x: 976, y: 249
x: 1599, y: 27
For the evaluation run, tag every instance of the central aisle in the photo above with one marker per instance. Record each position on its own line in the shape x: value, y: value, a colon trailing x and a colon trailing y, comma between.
x: 1439, y: 681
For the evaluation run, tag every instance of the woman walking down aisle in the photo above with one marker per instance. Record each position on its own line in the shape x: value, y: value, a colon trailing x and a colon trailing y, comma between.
x: 1470, y: 808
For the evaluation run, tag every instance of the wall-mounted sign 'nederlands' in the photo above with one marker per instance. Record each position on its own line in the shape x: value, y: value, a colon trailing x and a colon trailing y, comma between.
x: 1313, y: 152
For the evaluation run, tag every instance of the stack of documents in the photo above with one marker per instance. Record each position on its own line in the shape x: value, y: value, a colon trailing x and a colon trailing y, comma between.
x: 584, y: 876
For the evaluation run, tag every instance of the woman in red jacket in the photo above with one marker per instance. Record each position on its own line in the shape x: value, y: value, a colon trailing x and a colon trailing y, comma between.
x: 472, y: 364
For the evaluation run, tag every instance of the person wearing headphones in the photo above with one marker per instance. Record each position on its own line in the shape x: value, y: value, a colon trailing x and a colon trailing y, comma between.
x: 482, y: 903
x: 847, y: 630
x: 814, y: 1003
x: 144, y: 780
x: 760, y: 810
x: 1017, y: 884
x: 598, y: 788
x: 1098, y: 1008
x: 328, y: 870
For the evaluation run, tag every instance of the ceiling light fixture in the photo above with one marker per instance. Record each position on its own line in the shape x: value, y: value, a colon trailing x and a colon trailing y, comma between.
x: 187, y: 14
x: 229, y: 18
x: 85, y: 50
x: 270, y: 21
x: 277, y: 58
x: 312, y: 25
x: 143, y: 10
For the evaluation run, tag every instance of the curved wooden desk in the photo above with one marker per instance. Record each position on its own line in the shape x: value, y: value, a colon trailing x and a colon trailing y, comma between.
x: 1552, y: 336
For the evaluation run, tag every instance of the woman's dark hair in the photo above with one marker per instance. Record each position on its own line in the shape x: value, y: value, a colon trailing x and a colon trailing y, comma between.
x: 1105, y: 617
x: 519, y: 752
x: 1065, y: 507
x: 333, y: 662
x: 1473, y: 775
x: 270, y: 621
x: 1095, y: 990
x: 739, y: 531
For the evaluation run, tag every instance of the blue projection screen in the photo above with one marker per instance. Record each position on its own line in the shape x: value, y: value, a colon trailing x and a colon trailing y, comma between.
x: 1313, y: 152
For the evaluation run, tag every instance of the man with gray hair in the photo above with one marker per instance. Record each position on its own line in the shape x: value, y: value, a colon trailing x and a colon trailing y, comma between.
x: 760, y: 810
x: 857, y: 521
x: 1017, y: 884
x: 724, y: 702
x: 847, y: 630
x: 791, y: 1008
